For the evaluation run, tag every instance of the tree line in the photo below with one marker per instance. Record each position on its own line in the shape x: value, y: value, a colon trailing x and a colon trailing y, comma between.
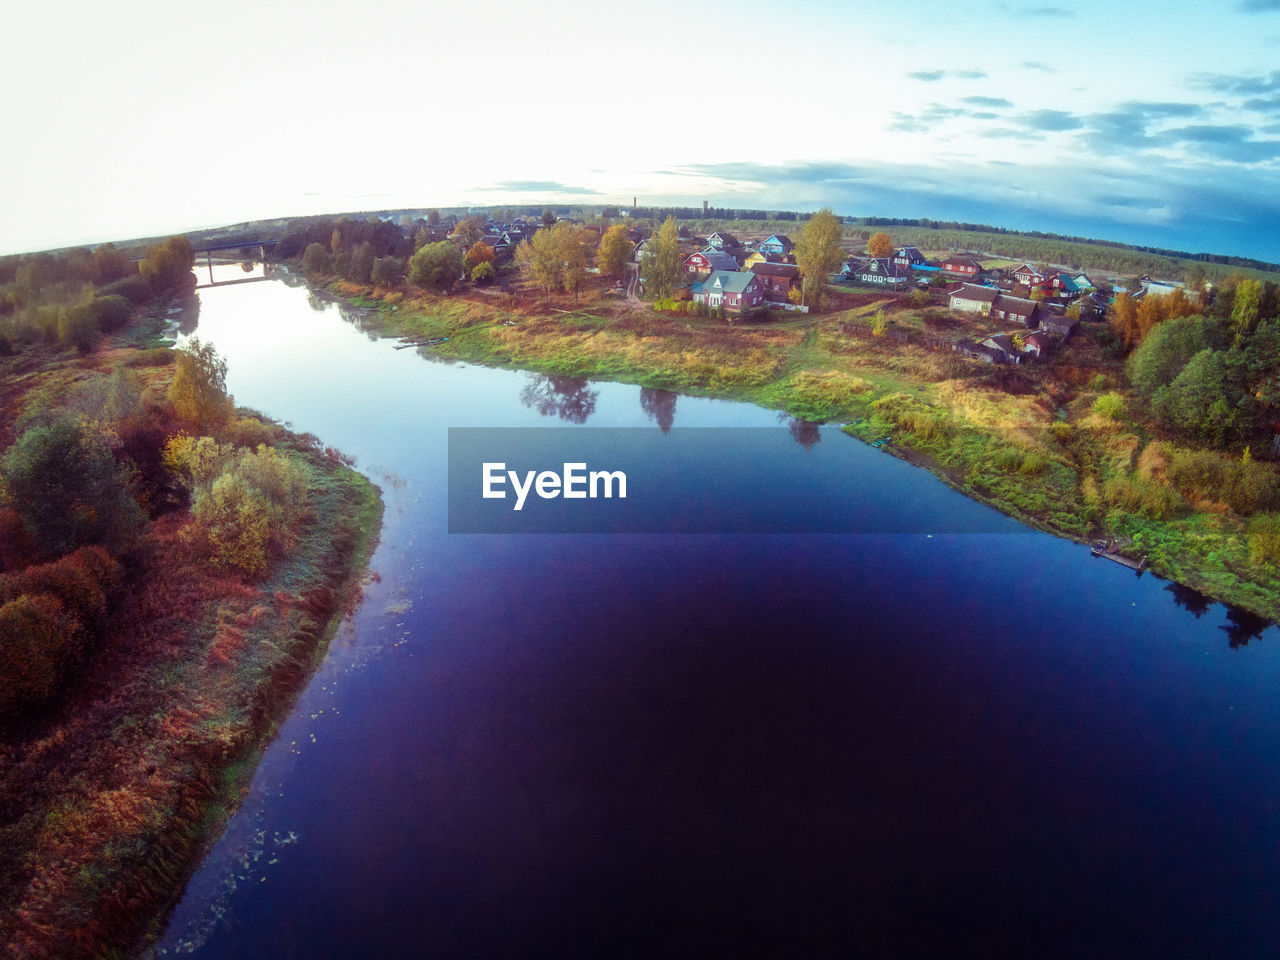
x: 73, y: 297
x: 1208, y: 367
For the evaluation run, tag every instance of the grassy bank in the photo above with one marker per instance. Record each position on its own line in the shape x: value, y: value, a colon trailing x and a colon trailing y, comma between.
x: 110, y: 793
x: 1026, y: 441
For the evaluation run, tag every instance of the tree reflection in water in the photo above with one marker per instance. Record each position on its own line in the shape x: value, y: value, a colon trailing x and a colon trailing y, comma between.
x: 189, y: 317
x: 659, y: 406
x: 1193, y: 601
x: 804, y: 432
x: 1243, y: 626
x: 568, y: 398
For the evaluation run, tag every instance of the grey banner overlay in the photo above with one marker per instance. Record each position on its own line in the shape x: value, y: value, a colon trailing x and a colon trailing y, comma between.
x: 698, y: 480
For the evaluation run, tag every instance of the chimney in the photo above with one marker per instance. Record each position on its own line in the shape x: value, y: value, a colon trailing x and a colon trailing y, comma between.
x: 633, y: 204
x: 704, y: 208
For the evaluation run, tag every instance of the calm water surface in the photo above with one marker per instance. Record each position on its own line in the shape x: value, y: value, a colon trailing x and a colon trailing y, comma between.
x: 787, y: 745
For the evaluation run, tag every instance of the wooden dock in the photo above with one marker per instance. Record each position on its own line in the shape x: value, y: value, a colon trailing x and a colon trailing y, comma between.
x: 1111, y: 552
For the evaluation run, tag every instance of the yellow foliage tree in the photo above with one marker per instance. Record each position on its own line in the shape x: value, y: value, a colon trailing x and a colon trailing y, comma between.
x: 819, y: 251
x: 880, y: 245
x: 199, y: 389
x: 614, y: 252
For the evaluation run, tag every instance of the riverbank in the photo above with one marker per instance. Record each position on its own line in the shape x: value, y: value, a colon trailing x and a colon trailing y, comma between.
x: 1026, y: 441
x: 112, y: 791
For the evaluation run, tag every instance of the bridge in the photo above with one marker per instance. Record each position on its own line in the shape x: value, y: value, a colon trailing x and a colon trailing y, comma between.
x: 208, y: 250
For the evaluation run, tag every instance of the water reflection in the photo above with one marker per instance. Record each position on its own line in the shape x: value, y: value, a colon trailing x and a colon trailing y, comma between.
x: 1193, y: 601
x: 189, y: 314
x: 1243, y: 626
x: 569, y: 398
x: 804, y: 432
x: 659, y: 406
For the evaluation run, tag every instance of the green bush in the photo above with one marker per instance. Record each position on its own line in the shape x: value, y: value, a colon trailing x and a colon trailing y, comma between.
x: 1109, y: 406
x: 1144, y: 498
x: 233, y: 519
x: 1264, y: 541
x: 112, y: 312
x: 68, y: 489
x: 133, y: 288
x: 246, y: 506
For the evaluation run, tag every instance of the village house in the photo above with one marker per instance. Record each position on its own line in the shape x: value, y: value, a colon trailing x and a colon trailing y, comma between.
x: 978, y: 351
x: 995, y: 304
x: 1054, y: 320
x: 709, y: 260
x: 501, y: 244
x: 1014, y: 310
x: 909, y: 257
x: 729, y: 289
x: 962, y: 266
x: 1063, y: 286
x: 1037, y: 344
x: 779, y: 245
x: 973, y: 299
x: 1006, y: 348
x: 1029, y: 275
x: 1155, y: 288
x: 723, y: 241
x: 777, y: 279
x: 761, y: 256
x: 882, y: 272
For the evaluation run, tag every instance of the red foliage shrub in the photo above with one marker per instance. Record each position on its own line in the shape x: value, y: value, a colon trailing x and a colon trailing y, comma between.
x: 142, y: 441
x: 39, y: 641
x: 48, y: 614
x: 16, y: 546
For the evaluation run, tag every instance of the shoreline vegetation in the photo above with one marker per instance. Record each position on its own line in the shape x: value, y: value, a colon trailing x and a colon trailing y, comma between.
x: 172, y: 569
x: 1071, y: 444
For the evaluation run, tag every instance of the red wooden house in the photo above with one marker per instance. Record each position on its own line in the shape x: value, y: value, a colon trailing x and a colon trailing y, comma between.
x: 777, y: 279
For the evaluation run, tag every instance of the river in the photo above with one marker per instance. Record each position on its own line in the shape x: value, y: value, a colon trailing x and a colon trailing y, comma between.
x: 787, y: 744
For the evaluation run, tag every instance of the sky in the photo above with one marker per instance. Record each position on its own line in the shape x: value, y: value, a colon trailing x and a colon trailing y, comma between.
x: 1149, y: 123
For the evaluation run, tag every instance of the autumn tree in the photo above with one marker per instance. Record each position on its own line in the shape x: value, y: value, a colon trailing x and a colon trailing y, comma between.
x: 615, y: 252
x: 362, y: 262
x: 388, y: 271
x: 880, y: 245
x: 110, y: 264
x: 479, y: 253
x: 1155, y: 309
x: 469, y: 232
x: 315, y: 259
x: 576, y: 255
x: 67, y: 489
x: 437, y: 266
x: 539, y: 261
x: 168, y: 264
x: 557, y: 258
x: 1124, y: 320
x: 818, y: 253
x: 198, y: 392
x: 1246, y: 308
x: 548, y: 218
x: 660, y: 265
x: 483, y: 273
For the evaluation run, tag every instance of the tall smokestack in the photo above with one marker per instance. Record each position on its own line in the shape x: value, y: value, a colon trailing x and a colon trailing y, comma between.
x: 704, y: 208
x: 633, y: 204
